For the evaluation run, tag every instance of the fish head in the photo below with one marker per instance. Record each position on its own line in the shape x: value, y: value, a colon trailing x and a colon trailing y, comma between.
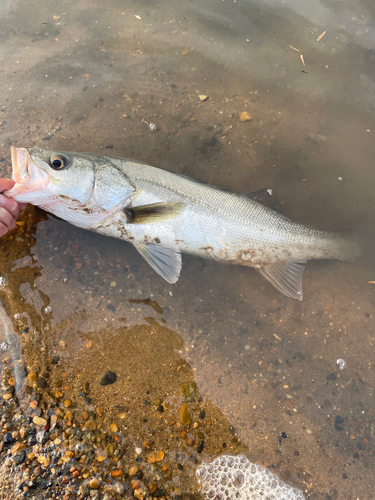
x: 81, y: 188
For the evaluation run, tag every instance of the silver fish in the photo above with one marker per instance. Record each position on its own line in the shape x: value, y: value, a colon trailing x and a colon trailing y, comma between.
x: 163, y: 214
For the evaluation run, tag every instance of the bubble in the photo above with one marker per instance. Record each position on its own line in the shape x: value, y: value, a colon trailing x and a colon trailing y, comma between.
x: 230, y: 477
x: 238, y: 479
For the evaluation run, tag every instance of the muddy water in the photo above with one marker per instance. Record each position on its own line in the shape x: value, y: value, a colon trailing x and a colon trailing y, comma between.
x: 90, y: 76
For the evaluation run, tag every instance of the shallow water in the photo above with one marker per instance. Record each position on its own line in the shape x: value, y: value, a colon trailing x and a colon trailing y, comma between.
x: 89, y: 76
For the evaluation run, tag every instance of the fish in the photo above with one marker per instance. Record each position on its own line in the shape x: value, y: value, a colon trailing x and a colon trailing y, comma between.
x: 164, y: 214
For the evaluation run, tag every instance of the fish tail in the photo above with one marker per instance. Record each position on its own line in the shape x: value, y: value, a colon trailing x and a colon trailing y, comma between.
x: 348, y: 247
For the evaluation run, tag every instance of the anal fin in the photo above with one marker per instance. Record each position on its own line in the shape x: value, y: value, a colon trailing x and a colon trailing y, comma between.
x: 166, y: 261
x: 286, y: 277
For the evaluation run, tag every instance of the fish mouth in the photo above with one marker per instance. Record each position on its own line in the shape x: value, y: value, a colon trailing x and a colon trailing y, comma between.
x: 20, y: 160
x: 29, y: 178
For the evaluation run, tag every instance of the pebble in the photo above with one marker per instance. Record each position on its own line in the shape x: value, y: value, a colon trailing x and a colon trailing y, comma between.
x: 109, y: 378
x: 89, y: 426
x: 55, y: 360
x: 42, y: 437
x: 8, y: 438
x: 115, y: 488
x: 40, y: 421
x: 94, y: 484
x: 19, y: 457
x: 114, y: 428
x: 17, y: 447
x: 245, y: 116
x: 67, y: 403
x: 32, y: 376
x: 185, y: 418
x: 155, y: 456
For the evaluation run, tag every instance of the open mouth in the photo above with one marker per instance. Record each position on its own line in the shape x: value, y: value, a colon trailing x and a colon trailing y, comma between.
x: 31, y: 180
x: 20, y: 160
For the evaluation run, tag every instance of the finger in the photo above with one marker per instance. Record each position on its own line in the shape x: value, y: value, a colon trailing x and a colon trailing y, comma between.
x: 10, y: 205
x: 6, y: 184
x: 3, y: 229
x: 7, y: 219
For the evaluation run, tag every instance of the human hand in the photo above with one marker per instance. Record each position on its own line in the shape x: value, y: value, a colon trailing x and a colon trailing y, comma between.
x: 9, y: 209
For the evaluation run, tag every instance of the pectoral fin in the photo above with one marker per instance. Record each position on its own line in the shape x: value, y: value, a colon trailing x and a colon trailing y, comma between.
x: 166, y: 261
x: 152, y: 213
x: 286, y: 277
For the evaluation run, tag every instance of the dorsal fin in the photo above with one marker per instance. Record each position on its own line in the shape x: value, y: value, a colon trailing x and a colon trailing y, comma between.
x: 264, y: 196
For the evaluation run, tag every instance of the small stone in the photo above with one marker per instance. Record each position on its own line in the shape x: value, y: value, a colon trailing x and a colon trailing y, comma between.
x: 139, y: 493
x: 42, y: 437
x: 67, y: 403
x: 7, y: 396
x: 89, y: 344
x: 83, y: 490
x: 110, y: 449
x: 32, y: 376
x: 116, y: 488
x: 11, y: 381
x: 40, y: 421
x: 122, y: 416
x: 55, y: 360
x: 203, y: 97
x: 245, y: 116
x: 34, y: 404
x: 155, y: 456
x: 138, y: 450
x: 8, y: 438
x: 133, y: 470
x: 185, y: 418
x: 94, y: 484
x: 59, y: 394
x: 42, y: 383
x: 19, y: 457
x: 188, y: 390
x: 185, y: 52
x: 99, y: 411
x: 114, y: 428
x: 109, y: 378
x: 89, y: 426
x: 17, y: 447
x: 116, y: 473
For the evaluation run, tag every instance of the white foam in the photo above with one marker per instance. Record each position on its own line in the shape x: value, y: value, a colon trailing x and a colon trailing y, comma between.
x: 230, y: 477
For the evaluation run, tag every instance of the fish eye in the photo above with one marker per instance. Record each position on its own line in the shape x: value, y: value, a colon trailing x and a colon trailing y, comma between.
x: 58, y: 162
